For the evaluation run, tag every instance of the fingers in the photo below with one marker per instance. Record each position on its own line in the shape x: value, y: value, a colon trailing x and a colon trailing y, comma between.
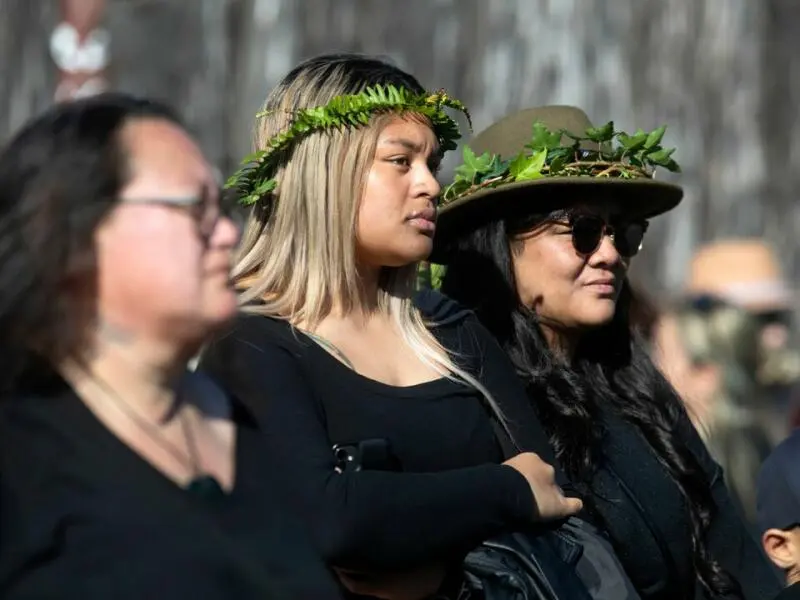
x: 572, y: 506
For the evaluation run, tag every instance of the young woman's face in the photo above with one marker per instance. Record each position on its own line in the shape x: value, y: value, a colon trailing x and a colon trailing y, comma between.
x: 569, y: 272
x: 397, y: 215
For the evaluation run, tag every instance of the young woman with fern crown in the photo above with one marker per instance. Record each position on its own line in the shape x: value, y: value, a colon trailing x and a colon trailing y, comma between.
x: 537, y: 232
x: 381, y: 438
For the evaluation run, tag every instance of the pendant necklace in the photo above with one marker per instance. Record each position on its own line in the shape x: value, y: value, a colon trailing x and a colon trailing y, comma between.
x: 203, y: 484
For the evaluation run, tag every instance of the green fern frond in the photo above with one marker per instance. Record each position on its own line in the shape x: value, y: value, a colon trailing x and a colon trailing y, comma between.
x: 256, y: 177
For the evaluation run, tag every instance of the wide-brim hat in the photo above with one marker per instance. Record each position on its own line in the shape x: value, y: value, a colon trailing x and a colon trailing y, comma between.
x: 639, y: 198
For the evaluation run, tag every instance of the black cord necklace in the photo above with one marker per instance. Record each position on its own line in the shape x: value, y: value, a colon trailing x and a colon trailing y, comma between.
x: 203, y: 484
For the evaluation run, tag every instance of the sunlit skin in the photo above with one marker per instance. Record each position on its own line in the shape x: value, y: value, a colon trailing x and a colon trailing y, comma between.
x: 395, y: 228
x: 396, y: 218
x: 783, y: 548
x: 568, y: 291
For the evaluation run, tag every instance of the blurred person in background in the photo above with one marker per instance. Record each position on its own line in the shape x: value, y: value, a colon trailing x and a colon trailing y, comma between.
x: 725, y: 346
x: 708, y: 349
x: 746, y: 273
x: 123, y: 475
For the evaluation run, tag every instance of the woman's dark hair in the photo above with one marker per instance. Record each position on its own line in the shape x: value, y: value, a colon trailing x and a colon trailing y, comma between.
x: 644, y: 313
x: 60, y: 175
x: 357, y: 70
x: 611, y: 367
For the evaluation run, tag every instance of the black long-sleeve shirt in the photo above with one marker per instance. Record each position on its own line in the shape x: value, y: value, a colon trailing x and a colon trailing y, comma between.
x: 449, y: 493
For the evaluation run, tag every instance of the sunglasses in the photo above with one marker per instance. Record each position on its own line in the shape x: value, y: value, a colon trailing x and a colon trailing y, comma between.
x: 588, y: 232
x: 705, y: 303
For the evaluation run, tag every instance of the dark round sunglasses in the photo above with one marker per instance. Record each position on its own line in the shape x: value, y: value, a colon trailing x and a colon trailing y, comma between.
x: 588, y: 232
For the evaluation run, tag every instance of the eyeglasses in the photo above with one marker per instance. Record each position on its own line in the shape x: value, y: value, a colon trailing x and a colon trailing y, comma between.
x: 705, y: 303
x: 204, y: 212
x: 777, y: 316
x: 588, y: 232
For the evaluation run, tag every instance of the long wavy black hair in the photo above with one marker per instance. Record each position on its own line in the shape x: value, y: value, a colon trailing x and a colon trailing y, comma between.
x: 611, y: 367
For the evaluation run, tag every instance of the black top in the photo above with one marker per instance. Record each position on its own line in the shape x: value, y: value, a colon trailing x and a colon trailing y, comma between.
x: 451, y: 493
x: 648, y: 521
x: 83, y: 516
x: 792, y: 592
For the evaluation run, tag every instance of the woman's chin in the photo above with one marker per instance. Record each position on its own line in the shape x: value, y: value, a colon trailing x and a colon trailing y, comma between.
x: 409, y: 256
x: 599, y: 313
x: 223, y: 309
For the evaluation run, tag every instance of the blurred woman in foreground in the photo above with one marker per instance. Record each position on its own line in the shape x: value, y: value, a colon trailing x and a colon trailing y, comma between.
x: 123, y: 475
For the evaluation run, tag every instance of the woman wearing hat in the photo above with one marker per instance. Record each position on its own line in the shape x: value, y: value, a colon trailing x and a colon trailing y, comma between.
x: 537, y: 232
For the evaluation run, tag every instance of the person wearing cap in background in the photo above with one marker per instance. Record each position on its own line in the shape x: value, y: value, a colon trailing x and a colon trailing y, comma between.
x: 724, y: 347
x: 779, y: 512
x: 746, y: 273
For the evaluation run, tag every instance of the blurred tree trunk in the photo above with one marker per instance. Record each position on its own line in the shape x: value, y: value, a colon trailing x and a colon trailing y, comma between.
x: 27, y: 75
x: 779, y: 121
x: 177, y: 51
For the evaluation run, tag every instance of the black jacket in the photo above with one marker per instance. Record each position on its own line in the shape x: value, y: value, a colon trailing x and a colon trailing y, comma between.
x: 647, y: 518
x: 645, y: 514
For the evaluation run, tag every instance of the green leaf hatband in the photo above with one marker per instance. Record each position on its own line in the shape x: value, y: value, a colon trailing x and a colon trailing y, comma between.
x: 618, y: 155
x: 256, y: 178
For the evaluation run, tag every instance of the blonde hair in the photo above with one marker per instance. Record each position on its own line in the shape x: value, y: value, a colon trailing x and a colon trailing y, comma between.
x: 298, y: 250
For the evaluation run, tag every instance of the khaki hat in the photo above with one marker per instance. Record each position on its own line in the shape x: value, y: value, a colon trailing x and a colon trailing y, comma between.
x: 640, y: 197
x: 744, y: 272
